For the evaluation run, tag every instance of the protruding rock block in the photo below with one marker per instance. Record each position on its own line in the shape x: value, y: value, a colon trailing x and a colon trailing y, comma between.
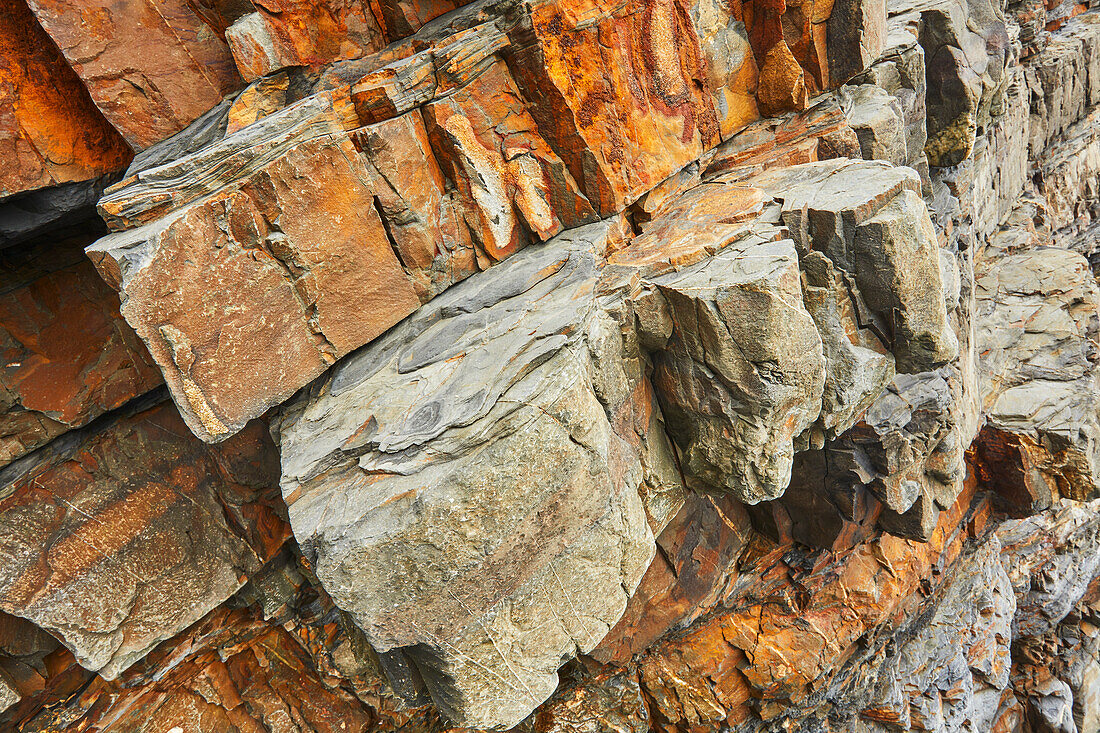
x: 67, y: 356
x: 296, y: 237
x: 740, y: 372
x: 122, y: 534
x: 275, y: 650
x: 311, y: 33
x: 508, y: 462
x: 50, y: 132
x: 967, y: 56
x: 858, y: 365
x: 869, y: 220
x: 888, y: 101
x: 151, y: 66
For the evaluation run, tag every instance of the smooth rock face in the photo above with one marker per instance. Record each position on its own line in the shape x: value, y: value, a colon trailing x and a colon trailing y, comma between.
x: 68, y: 356
x: 50, y: 132
x: 119, y: 535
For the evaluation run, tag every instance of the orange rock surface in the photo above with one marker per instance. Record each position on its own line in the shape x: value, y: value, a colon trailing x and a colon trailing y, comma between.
x: 285, y: 33
x: 67, y: 355
x: 150, y: 66
x: 50, y: 131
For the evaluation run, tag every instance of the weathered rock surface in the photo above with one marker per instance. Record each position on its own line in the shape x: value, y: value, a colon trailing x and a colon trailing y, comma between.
x: 517, y: 383
x: 311, y: 291
x: 150, y: 66
x: 509, y: 461
x: 662, y: 365
x: 1039, y: 313
x: 282, y: 34
x: 67, y: 355
x: 50, y: 132
x: 121, y: 534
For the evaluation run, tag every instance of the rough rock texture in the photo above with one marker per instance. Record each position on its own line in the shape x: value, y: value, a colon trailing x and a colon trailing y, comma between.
x: 50, y: 132
x: 68, y: 356
x: 556, y: 367
x: 150, y: 66
x: 146, y: 529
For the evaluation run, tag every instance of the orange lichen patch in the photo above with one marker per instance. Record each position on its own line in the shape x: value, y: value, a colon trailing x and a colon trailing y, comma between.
x: 623, y: 98
x: 50, y: 131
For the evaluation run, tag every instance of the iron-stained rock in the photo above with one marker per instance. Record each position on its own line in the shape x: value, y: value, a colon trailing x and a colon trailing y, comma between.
x: 119, y: 535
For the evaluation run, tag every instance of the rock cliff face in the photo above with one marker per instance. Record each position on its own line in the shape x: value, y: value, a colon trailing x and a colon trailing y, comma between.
x: 556, y: 367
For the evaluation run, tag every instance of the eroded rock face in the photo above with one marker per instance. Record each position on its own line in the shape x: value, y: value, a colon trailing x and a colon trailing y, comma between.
x: 502, y: 419
x: 50, y: 132
x: 510, y: 461
x: 290, y: 33
x: 663, y: 365
x: 452, y: 150
x: 150, y: 67
x: 68, y: 355
x: 871, y: 224
x: 119, y: 535
x: 311, y: 292
x: 1039, y: 314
